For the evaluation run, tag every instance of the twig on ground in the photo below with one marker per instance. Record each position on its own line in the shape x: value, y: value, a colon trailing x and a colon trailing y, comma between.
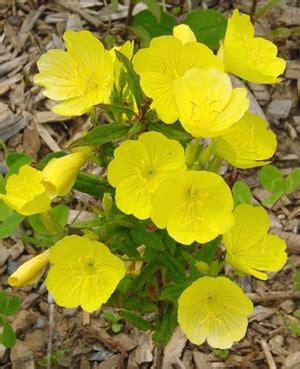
x: 51, y: 326
x: 268, y: 354
x: 273, y: 296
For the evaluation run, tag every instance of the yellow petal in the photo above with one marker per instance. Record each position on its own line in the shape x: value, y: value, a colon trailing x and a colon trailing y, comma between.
x: 193, y: 207
x: 184, y: 34
x: 138, y: 169
x: 80, y: 77
x: 84, y: 273
x: 251, y: 58
x: 25, y: 193
x: 29, y: 272
x: 249, y: 247
x: 60, y: 174
x: 215, y: 309
x: 247, y: 143
x: 55, y: 76
x: 206, y: 102
x: 166, y: 60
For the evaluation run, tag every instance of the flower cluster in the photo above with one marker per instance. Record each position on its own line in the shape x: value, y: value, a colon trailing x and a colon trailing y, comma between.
x: 171, y: 186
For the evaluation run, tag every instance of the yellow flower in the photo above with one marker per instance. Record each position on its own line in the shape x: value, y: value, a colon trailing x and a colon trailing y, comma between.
x: 80, y: 77
x: 29, y: 272
x: 139, y: 167
x: 167, y: 59
x: 25, y: 192
x: 214, y: 309
x: 248, y: 143
x: 207, y: 103
x: 249, y: 247
x: 127, y: 50
x: 84, y: 273
x: 184, y: 33
x: 194, y: 206
x: 60, y: 174
x: 251, y: 58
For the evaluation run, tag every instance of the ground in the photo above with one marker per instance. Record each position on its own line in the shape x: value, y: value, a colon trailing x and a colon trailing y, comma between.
x: 83, y: 341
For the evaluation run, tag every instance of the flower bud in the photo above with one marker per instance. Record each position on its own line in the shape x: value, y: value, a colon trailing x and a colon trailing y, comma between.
x: 29, y: 272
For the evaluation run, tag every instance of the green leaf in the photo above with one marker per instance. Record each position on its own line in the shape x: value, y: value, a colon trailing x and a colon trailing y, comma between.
x: 297, y: 279
x: 154, y: 27
x: 208, y: 250
x: 172, y: 293
x: 50, y: 156
x: 103, y: 134
x: 37, y: 224
x: 7, y: 337
x: 132, y: 78
x: 270, y: 200
x: 166, y: 326
x: 15, y: 161
x: 5, y: 210
x: 142, y: 34
x: 92, y: 185
x: 10, y: 225
x: 9, y: 305
x: 271, y: 179
x: 292, y: 181
x: 241, y: 193
x: 208, y: 25
x: 174, y: 268
x: 60, y: 215
x: 136, y: 320
x: 145, y: 275
x: 143, y: 237
x: 154, y: 8
x: 116, y: 109
x: 174, y: 132
x: 116, y: 327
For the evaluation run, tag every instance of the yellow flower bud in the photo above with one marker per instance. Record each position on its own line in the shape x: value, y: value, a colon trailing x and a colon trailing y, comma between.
x: 29, y: 272
x: 60, y: 173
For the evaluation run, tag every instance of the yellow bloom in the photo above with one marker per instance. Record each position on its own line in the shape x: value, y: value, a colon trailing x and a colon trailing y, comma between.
x: 194, y: 206
x: 167, y: 59
x: 251, y: 58
x: 84, y: 273
x: 127, y: 50
x: 60, y: 174
x: 29, y: 272
x: 249, y: 247
x: 207, y: 103
x: 139, y: 167
x: 215, y: 309
x: 80, y: 77
x: 25, y: 192
x: 184, y: 34
x: 248, y: 143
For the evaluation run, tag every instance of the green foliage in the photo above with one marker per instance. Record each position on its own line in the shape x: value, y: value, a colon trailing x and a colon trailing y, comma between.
x: 222, y: 354
x: 8, y: 306
x: 136, y: 320
x: 272, y: 180
x: 208, y: 25
x: 114, y: 319
x: 154, y: 8
x: 56, y: 358
x: 9, y: 225
x: 15, y: 161
x: 241, y: 193
x: 294, y: 329
x: 92, y: 185
x: 147, y: 26
x: 103, y: 134
x: 132, y: 79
